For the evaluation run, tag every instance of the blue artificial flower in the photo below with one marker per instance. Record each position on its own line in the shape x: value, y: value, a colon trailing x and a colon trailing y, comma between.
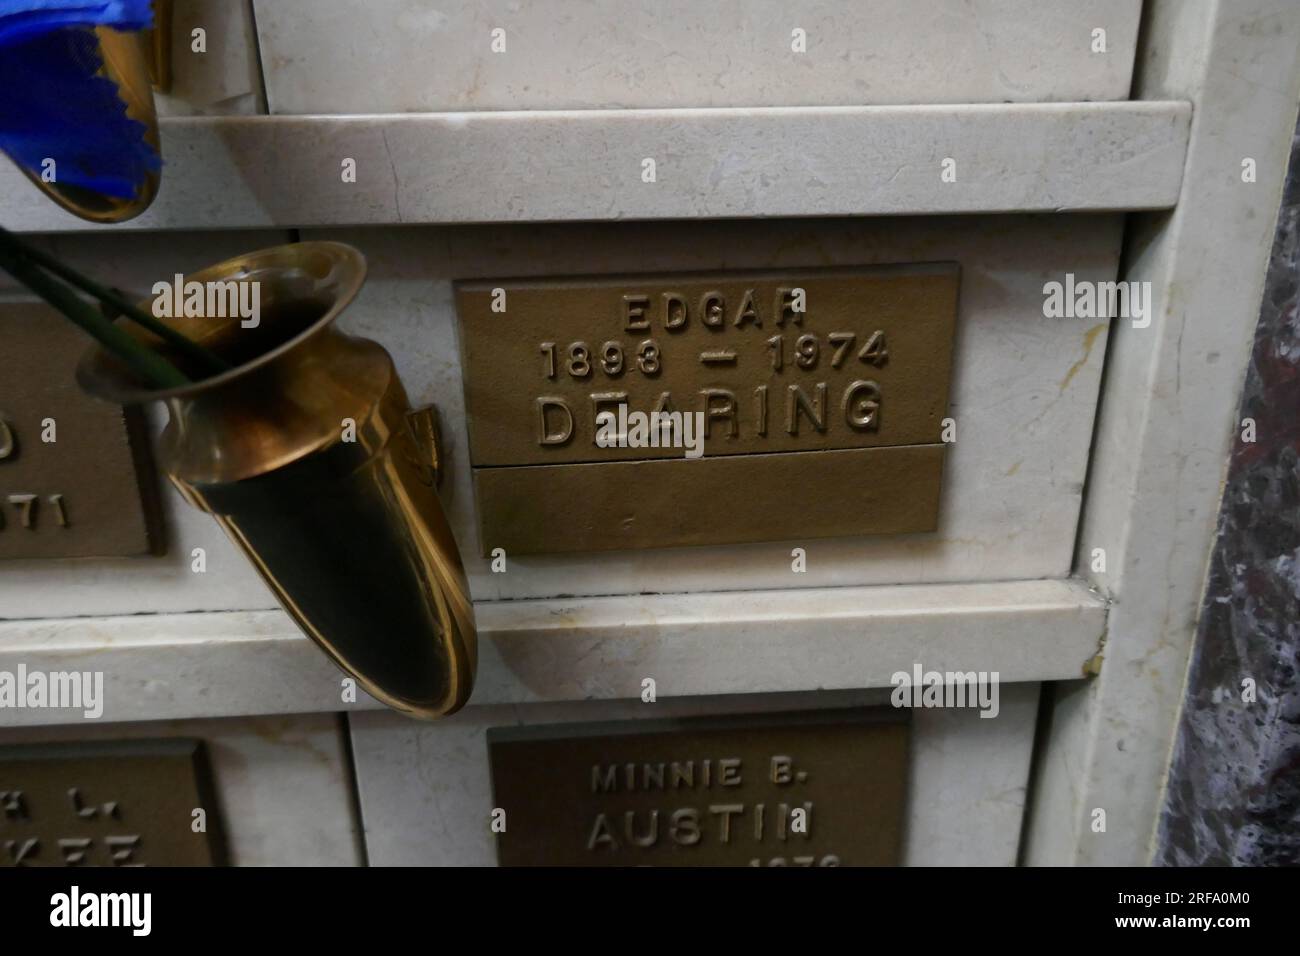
x: 54, y: 104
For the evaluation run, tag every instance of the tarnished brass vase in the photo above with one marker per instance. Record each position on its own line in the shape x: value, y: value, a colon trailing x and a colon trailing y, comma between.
x: 309, y: 455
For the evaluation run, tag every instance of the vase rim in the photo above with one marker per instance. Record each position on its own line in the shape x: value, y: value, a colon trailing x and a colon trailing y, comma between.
x: 339, y: 270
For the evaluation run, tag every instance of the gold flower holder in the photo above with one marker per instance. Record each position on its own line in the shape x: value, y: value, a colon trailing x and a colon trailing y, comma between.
x: 308, y: 453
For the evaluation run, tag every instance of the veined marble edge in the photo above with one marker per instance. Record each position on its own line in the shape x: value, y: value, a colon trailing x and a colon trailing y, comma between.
x: 209, y: 672
x: 505, y: 618
x: 239, y: 194
x: 463, y: 117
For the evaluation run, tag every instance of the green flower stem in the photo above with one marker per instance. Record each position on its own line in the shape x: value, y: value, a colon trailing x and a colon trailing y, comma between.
x: 207, y: 359
x: 145, y: 363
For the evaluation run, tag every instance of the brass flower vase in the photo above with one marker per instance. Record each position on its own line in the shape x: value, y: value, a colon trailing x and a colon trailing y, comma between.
x: 308, y: 453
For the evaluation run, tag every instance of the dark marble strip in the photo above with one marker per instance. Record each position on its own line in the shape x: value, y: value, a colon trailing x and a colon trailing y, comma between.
x: 1234, y: 784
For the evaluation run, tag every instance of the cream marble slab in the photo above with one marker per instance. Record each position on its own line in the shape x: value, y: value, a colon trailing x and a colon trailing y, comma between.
x: 1024, y: 386
x: 283, y: 783
x: 1024, y: 394
x: 336, y: 56
x: 426, y: 795
x: 257, y: 172
x: 160, y: 666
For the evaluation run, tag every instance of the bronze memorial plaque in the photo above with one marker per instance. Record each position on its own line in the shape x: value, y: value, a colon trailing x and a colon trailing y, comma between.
x: 811, y: 789
x: 123, y: 803
x: 656, y: 411
x: 75, y: 476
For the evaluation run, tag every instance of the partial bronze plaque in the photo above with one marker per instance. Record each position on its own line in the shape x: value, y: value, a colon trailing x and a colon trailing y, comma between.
x: 734, y: 498
x: 774, y: 370
x: 75, y: 477
x: 816, y: 789
x: 128, y: 803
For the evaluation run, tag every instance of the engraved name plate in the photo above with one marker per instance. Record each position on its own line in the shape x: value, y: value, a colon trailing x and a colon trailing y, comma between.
x: 75, y: 476
x: 817, y: 399
x: 814, y: 789
x: 127, y: 803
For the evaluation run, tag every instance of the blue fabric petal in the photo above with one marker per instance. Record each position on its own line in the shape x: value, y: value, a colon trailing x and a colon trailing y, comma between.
x: 23, y: 18
x: 53, y: 103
